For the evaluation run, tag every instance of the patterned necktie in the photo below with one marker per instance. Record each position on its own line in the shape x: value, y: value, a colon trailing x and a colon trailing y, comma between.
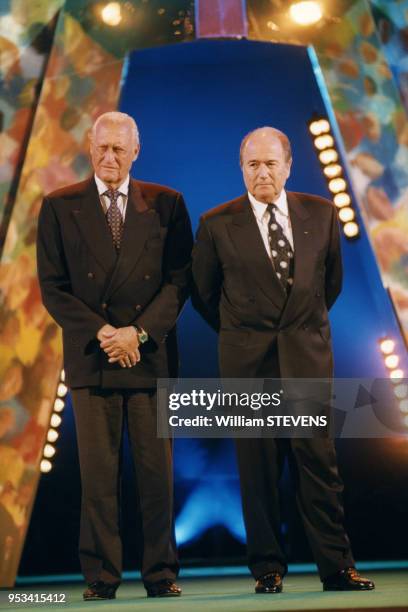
x: 281, y: 250
x: 114, y: 217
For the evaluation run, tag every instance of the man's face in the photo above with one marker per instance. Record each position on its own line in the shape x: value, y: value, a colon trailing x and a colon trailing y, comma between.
x: 113, y: 150
x: 264, y: 166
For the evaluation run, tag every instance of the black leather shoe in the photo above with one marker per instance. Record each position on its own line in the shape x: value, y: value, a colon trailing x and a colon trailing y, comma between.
x: 269, y: 583
x: 163, y: 588
x: 100, y: 590
x: 347, y: 580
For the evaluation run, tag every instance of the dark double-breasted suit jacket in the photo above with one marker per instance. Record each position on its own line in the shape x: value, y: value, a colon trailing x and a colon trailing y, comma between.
x: 85, y: 284
x: 237, y: 291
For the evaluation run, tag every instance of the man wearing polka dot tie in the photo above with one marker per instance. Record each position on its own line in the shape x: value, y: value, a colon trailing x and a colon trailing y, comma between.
x: 266, y: 269
x: 114, y: 268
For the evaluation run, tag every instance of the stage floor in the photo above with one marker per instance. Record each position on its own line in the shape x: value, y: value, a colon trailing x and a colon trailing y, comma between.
x: 236, y: 594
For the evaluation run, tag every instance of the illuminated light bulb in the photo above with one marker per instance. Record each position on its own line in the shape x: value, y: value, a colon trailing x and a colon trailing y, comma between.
x: 112, y: 14
x: 396, y: 374
x: 332, y: 170
x: 45, y: 466
x: 59, y: 405
x: 328, y: 156
x: 346, y: 214
x: 404, y: 406
x: 391, y: 361
x: 401, y: 391
x: 337, y: 184
x: 351, y: 229
x: 324, y: 142
x: 324, y: 126
x: 52, y: 436
x: 342, y: 199
x: 49, y: 451
x: 55, y: 420
x: 314, y: 128
x: 62, y: 390
x: 62, y: 377
x: 306, y: 13
x: 387, y: 346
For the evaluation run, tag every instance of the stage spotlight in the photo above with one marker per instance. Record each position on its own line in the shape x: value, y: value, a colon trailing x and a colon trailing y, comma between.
x: 62, y: 376
x: 401, y: 391
x: 351, y: 229
x: 55, y: 420
x: 391, y: 361
x: 346, y: 214
x: 45, y: 466
x: 112, y: 14
x: 52, y: 436
x: 59, y: 405
x: 404, y: 405
x: 342, y: 199
x: 324, y: 142
x: 306, y: 13
x: 387, y: 346
x: 62, y: 390
x: 49, y: 451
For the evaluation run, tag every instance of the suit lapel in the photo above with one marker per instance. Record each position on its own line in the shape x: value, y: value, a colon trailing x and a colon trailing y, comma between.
x: 90, y: 219
x: 302, y: 229
x: 245, y: 234
x: 140, y: 220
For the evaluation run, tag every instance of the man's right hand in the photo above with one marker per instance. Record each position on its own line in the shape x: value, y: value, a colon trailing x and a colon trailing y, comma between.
x: 126, y: 360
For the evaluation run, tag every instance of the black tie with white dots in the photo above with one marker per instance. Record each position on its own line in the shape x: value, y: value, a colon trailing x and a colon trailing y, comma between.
x: 281, y: 250
x: 114, y: 217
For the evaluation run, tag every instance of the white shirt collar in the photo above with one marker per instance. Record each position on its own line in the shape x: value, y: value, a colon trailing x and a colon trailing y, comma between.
x: 260, y: 208
x: 123, y: 188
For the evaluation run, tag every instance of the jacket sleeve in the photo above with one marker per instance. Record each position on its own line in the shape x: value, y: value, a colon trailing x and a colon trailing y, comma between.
x: 207, y: 277
x: 71, y: 313
x: 334, y: 267
x: 161, y: 314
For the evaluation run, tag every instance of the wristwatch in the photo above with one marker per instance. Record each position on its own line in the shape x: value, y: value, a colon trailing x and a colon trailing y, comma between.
x: 142, y: 335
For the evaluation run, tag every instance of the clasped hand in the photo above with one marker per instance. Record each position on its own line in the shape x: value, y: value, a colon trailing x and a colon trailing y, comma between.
x: 120, y: 344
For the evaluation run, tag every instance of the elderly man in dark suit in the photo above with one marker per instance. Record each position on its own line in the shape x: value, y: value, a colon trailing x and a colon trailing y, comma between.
x: 266, y: 269
x: 114, y: 268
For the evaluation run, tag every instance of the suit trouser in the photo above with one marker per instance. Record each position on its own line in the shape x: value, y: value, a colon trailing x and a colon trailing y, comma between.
x: 100, y: 417
x: 313, y: 467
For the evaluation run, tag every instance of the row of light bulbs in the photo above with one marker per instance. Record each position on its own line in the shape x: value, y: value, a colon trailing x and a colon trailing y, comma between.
x: 333, y: 171
x: 55, y: 421
x: 396, y: 374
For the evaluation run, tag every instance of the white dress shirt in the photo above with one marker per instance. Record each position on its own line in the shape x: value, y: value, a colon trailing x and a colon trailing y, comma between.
x: 262, y: 216
x: 105, y: 200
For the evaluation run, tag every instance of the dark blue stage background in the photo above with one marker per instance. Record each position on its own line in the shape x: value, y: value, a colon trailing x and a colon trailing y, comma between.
x: 193, y: 103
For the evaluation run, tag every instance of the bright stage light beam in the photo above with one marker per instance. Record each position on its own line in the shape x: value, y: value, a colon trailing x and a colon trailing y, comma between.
x: 112, y: 14
x: 306, y: 13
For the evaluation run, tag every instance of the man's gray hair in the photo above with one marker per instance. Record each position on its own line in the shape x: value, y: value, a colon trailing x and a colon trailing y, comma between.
x: 119, y: 119
x: 281, y: 136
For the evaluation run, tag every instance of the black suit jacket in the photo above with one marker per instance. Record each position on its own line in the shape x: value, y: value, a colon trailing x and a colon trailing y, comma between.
x: 238, y: 293
x: 85, y: 284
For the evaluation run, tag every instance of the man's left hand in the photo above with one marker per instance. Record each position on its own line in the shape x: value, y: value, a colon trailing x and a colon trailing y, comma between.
x: 124, y: 341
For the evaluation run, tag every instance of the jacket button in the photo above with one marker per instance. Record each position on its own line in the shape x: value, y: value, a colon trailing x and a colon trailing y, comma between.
x: 138, y: 307
x: 104, y: 305
x: 146, y: 277
x: 90, y: 275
